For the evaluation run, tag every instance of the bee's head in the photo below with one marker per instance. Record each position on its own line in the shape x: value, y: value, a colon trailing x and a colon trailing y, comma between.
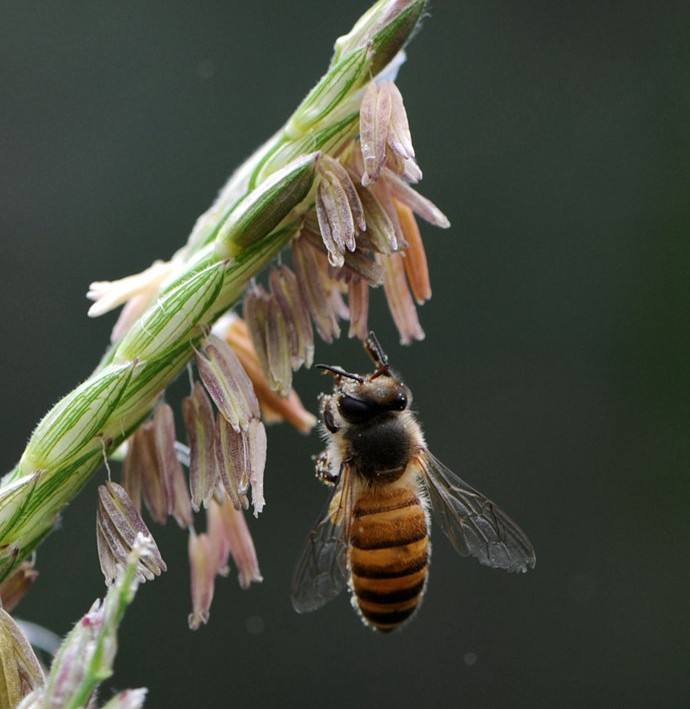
x: 362, y: 398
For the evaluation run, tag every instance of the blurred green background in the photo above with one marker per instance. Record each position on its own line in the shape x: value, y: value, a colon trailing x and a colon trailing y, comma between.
x: 555, y: 372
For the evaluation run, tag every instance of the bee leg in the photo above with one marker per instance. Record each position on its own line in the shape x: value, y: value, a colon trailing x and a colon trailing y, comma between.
x: 323, y: 470
x: 326, y: 404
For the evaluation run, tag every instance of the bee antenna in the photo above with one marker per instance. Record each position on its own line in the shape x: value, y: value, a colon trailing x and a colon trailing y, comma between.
x: 375, y: 351
x: 340, y: 372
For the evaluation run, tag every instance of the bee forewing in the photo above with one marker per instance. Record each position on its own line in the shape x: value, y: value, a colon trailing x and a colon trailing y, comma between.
x: 321, y: 572
x: 474, y: 525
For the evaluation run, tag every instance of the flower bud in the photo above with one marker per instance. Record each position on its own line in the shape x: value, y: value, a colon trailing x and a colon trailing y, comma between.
x: 14, y: 496
x: 372, y: 44
x: 341, y: 81
x: 175, y: 314
x: 266, y: 206
x: 76, y: 420
x: 331, y: 138
x: 386, y: 27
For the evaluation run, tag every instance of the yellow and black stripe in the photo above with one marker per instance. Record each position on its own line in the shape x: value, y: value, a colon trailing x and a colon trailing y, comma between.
x: 389, y: 554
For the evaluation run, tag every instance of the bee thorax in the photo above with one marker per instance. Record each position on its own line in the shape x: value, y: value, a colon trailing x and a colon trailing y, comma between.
x: 380, y: 450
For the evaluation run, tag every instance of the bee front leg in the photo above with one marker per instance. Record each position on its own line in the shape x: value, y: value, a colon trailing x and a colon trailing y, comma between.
x: 324, y: 471
x: 327, y: 407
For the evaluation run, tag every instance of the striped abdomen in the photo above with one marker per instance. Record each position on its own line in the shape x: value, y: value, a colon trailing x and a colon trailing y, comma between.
x: 389, y: 552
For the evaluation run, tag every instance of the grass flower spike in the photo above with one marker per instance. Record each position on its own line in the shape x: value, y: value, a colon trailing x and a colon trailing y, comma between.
x: 331, y: 194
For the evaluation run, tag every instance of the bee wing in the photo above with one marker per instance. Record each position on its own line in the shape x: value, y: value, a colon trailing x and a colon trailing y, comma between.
x: 474, y: 525
x: 321, y: 572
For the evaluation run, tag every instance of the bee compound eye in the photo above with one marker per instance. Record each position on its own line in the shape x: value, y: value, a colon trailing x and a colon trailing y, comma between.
x: 355, y: 409
x: 399, y: 402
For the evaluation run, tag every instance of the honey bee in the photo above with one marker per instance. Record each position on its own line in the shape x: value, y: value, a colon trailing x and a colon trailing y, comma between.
x: 374, y: 536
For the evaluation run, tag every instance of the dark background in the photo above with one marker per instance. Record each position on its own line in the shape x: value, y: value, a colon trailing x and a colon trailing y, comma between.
x: 555, y: 371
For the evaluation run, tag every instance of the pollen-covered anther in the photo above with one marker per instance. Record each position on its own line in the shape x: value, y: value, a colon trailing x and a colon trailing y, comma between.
x: 381, y: 235
x: 315, y: 284
x: 230, y: 534
x: 226, y: 382
x: 358, y: 264
x: 200, y: 424
x: 141, y: 476
x: 255, y: 310
x: 273, y: 407
x: 399, y: 136
x: 227, y: 535
x: 285, y: 290
x: 358, y: 301
x: 203, y: 567
x: 169, y: 466
x: 278, y: 347
x: 374, y: 126
x: 416, y: 266
x: 400, y: 300
x: 339, y: 210
x: 232, y: 460
x: 256, y: 453
x: 420, y: 205
x: 384, y: 196
x: 117, y: 525
x: 385, y: 133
